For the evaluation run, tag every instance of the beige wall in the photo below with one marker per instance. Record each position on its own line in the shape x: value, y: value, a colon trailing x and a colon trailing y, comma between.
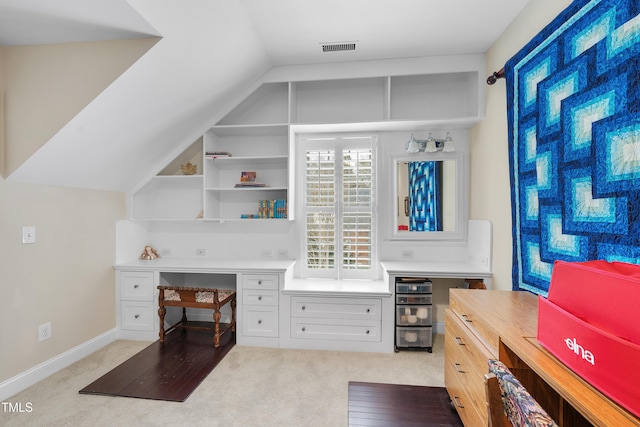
x: 490, y: 183
x: 47, y: 85
x: 65, y: 278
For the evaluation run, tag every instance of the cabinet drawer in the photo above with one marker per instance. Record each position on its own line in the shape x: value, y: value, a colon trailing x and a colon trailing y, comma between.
x: 335, y: 329
x: 478, y: 326
x: 336, y: 308
x: 259, y: 297
x: 260, y: 281
x: 466, y: 375
x: 466, y: 360
x: 136, y: 285
x: 138, y: 315
x: 260, y: 321
x: 467, y: 343
x: 413, y: 315
x: 461, y: 400
x: 414, y: 337
x: 413, y: 298
x: 413, y: 288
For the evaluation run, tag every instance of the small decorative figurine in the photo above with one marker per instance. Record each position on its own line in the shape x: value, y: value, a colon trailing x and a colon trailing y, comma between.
x: 149, y: 253
x: 189, y: 168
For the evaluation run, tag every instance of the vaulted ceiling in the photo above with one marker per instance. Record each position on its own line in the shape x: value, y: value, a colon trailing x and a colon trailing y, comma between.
x: 206, y: 53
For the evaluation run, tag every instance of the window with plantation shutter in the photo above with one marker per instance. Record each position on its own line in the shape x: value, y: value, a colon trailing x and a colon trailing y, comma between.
x: 339, y: 207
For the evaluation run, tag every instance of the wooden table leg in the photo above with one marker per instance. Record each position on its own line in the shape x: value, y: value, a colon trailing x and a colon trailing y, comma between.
x: 216, y: 321
x: 233, y: 314
x: 161, y: 312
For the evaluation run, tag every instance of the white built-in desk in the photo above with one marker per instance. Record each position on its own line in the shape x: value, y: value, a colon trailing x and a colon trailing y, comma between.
x: 275, y: 309
x: 257, y: 284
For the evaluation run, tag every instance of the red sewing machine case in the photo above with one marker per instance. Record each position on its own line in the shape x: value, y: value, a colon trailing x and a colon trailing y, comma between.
x: 590, y: 322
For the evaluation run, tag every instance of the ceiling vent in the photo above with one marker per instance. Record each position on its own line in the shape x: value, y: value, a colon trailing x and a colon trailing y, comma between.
x: 338, y: 47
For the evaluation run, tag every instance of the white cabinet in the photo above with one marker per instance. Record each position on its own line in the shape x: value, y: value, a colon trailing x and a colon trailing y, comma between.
x: 335, y: 318
x: 136, y: 298
x: 259, y: 321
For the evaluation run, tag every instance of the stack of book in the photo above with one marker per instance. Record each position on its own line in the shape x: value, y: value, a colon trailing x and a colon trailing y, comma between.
x: 216, y: 154
x: 272, y: 208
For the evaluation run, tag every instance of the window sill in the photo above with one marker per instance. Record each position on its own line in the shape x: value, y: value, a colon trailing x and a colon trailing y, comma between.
x: 330, y: 287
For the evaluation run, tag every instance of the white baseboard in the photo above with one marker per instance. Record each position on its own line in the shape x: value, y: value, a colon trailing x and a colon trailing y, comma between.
x: 438, y: 328
x: 31, y: 376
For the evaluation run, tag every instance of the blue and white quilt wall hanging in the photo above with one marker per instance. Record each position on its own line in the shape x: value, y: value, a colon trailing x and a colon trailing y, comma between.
x: 573, y: 102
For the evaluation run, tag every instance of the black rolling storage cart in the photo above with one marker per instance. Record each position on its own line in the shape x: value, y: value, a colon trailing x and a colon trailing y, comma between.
x: 413, y: 314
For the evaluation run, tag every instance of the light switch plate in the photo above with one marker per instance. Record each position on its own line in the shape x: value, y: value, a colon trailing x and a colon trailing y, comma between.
x: 28, y: 234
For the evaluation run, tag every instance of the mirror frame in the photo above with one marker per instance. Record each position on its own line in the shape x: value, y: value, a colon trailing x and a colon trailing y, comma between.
x: 462, y: 198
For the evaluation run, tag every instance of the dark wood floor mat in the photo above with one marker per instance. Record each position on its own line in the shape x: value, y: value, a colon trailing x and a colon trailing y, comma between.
x: 169, y: 371
x: 391, y: 405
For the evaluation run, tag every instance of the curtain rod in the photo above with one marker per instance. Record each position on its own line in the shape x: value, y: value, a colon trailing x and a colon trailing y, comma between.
x: 495, y: 76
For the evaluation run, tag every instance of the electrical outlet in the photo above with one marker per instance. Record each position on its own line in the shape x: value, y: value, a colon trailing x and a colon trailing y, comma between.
x: 283, y: 253
x: 44, y: 331
x: 407, y: 254
x: 201, y: 252
x: 266, y: 253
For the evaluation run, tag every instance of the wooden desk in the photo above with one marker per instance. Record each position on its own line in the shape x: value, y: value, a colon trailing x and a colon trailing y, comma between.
x: 503, y: 325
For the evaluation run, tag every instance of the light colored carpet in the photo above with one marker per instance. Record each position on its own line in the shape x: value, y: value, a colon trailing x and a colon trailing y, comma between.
x: 251, y: 387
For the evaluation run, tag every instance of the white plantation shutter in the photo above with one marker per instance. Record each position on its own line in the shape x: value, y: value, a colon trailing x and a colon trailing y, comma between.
x: 339, y: 195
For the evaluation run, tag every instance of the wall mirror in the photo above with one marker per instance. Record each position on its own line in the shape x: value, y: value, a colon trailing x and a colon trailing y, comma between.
x: 428, y: 199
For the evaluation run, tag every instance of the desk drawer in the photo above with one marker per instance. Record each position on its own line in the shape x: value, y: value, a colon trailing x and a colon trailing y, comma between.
x: 136, y: 285
x: 336, y: 329
x: 138, y: 315
x: 260, y: 321
x: 259, y: 297
x: 461, y: 399
x: 477, y: 325
x: 336, y: 308
x: 467, y: 343
x: 260, y: 281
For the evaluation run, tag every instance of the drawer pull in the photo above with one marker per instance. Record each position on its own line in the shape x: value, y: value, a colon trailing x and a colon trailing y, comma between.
x: 458, y: 370
x: 466, y: 318
x: 457, y: 402
x: 259, y: 282
x: 136, y: 316
x: 368, y: 310
x: 303, y: 307
x: 260, y: 298
x: 458, y: 341
x: 259, y: 321
x: 136, y: 286
x: 368, y: 332
x: 304, y: 329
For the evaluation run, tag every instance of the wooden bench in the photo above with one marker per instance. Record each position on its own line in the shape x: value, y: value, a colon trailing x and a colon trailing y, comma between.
x: 210, y: 298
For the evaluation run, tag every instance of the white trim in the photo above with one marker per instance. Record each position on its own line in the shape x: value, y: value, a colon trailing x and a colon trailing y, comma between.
x: 26, y: 379
x: 438, y: 328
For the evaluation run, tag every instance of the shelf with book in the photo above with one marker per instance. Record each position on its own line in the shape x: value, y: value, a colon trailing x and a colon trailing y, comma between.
x: 244, y: 164
x: 238, y: 204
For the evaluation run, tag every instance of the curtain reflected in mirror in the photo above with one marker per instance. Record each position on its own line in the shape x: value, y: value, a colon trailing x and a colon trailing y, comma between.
x: 426, y: 198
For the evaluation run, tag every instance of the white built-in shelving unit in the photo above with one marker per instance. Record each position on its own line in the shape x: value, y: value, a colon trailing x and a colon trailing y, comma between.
x: 259, y: 133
